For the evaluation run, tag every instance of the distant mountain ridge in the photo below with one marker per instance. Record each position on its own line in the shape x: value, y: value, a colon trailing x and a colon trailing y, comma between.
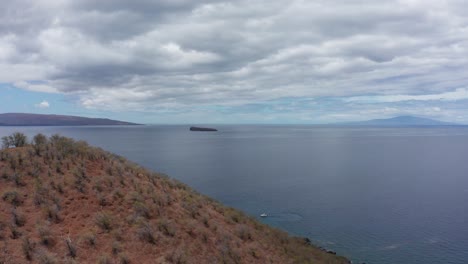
x: 24, y: 119
x: 400, y: 121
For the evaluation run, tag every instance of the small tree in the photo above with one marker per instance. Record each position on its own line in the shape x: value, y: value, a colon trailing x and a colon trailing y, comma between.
x: 6, y: 143
x: 18, y: 139
x: 39, y: 140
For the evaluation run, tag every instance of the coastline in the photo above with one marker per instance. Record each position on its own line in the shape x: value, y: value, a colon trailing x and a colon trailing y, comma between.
x: 67, y: 173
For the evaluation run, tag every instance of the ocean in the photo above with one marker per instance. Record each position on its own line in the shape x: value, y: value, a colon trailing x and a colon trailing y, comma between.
x: 375, y: 195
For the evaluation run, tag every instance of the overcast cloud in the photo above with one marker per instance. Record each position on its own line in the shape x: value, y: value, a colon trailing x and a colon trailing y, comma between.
x: 358, y: 58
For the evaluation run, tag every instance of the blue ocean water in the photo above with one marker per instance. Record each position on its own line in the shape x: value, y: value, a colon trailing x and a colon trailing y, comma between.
x: 375, y: 195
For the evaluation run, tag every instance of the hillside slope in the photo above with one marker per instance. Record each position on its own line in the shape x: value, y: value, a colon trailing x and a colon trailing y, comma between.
x: 63, y: 201
x: 23, y: 119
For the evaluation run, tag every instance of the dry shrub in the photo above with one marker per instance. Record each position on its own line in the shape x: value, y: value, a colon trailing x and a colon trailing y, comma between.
x: 166, y: 227
x: 18, y: 217
x: 116, y: 247
x: 44, y: 257
x: 14, y: 232
x: 52, y: 213
x: 243, y: 232
x: 178, y: 256
x: 141, y: 209
x: 12, y: 197
x: 27, y: 247
x: 90, y: 238
x: 71, y: 247
x: 45, y: 235
x: 145, y: 232
x: 105, y: 221
x: 124, y: 259
x: 104, y: 259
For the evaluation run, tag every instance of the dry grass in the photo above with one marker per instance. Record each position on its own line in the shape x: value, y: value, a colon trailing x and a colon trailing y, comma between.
x: 63, y: 201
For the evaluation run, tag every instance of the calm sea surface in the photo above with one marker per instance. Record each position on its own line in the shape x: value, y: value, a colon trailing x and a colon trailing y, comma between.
x: 375, y: 195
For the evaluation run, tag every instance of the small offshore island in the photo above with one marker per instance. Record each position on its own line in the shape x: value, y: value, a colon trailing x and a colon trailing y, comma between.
x: 63, y: 201
x: 203, y: 129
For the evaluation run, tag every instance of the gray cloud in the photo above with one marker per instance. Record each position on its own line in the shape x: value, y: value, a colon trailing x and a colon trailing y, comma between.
x: 179, y: 54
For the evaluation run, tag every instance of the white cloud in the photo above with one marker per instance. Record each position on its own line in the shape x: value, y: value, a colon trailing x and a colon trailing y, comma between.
x: 36, y: 87
x: 181, y: 54
x: 43, y: 104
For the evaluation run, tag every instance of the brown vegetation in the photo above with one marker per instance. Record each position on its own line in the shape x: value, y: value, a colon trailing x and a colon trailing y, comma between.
x: 63, y: 201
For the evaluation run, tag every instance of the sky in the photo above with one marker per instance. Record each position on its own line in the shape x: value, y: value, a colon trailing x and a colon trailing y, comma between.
x: 246, y: 61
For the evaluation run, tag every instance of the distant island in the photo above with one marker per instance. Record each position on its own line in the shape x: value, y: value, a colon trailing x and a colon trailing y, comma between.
x: 24, y: 119
x: 400, y: 121
x: 203, y: 129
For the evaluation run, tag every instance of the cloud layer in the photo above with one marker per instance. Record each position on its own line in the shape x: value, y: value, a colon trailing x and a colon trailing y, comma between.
x: 43, y: 104
x: 177, y: 56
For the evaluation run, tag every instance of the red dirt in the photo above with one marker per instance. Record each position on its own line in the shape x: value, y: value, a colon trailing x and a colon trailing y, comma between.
x: 65, y: 187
